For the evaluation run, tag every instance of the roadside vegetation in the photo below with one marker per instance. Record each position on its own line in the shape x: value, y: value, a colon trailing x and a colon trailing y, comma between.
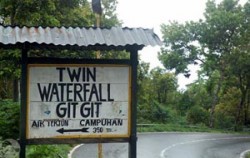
x: 218, y: 101
x: 220, y: 97
x: 248, y: 155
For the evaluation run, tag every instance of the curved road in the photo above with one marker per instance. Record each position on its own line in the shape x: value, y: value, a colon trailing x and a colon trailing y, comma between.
x: 174, y: 145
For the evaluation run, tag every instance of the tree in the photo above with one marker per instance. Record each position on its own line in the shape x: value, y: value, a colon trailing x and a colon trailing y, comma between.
x: 109, y: 16
x: 227, y: 109
x: 195, y: 95
x: 157, y: 91
x: 197, y: 115
x: 9, y: 71
x: 45, y: 13
x: 163, y: 85
x: 9, y: 119
x: 53, y: 13
x: 210, y: 42
x: 143, y: 80
x: 36, y: 13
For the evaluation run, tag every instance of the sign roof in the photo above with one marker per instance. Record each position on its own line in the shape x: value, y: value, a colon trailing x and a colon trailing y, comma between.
x: 79, y: 37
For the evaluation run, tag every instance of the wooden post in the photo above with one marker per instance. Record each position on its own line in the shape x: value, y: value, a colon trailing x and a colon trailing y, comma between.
x: 100, y: 155
x: 98, y: 56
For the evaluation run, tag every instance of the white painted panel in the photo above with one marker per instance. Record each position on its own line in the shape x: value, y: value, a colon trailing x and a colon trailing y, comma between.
x: 63, y: 106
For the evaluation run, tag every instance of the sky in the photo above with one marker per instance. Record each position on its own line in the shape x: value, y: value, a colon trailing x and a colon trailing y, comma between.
x: 152, y: 13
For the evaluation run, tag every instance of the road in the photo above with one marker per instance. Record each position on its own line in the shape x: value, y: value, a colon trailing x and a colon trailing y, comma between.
x: 174, y: 145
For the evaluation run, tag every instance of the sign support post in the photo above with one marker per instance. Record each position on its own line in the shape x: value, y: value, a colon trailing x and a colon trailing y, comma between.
x: 22, y: 153
x: 133, y: 137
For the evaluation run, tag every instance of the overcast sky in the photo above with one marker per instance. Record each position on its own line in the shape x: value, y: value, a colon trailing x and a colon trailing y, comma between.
x: 153, y: 13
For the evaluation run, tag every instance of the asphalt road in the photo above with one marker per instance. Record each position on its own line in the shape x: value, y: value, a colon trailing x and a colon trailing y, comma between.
x: 173, y: 145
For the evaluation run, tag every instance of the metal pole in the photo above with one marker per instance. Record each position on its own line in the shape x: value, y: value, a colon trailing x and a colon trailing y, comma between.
x: 133, y: 137
x: 98, y: 24
x: 22, y: 153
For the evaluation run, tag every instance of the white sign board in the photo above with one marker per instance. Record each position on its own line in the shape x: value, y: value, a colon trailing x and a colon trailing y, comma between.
x: 78, y: 101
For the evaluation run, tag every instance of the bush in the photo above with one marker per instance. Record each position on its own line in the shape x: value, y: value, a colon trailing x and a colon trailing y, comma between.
x: 9, y: 119
x: 223, y: 121
x: 48, y: 151
x: 158, y: 113
x: 162, y: 114
x: 144, y: 115
x: 248, y: 155
x: 197, y: 115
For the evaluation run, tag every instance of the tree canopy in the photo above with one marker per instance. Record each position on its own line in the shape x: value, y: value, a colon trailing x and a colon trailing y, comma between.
x: 51, y: 13
x: 219, y: 43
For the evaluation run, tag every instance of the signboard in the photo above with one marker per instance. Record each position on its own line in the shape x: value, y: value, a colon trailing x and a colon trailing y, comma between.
x: 78, y: 101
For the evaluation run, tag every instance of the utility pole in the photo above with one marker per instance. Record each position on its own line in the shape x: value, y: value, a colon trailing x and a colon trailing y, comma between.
x: 97, y: 9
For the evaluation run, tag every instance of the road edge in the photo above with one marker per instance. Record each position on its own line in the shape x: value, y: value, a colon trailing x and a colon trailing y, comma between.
x: 243, y: 154
x: 73, y: 150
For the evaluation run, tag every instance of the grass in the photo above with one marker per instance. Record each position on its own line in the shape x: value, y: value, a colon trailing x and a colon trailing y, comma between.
x: 177, y: 128
x: 248, y: 155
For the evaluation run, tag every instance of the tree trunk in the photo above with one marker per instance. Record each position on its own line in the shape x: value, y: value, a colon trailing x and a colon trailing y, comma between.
x: 247, y: 109
x: 239, y: 110
x: 215, y: 101
x: 241, y: 104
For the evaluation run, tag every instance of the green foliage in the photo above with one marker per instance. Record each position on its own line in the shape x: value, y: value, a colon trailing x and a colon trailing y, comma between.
x: 220, y: 44
x: 224, y: 121
x: 144, y: 86
x: 114, y: 55
x: 248, y: 155
x: 226, y: 111
x: 9, y: 66
x: 161, y: 114
x: 185, y: 103
x: 52, y: 13
x: 164, y: 86
x: 158, y: 113
x: 48, y: 151
x: 74, y: 13
x: 173, y: 127
x: 9, y: 128
x: 46, y: 13
x: 6, y: 88
x: 179, y: 49
x: 9, y: 119
x: 157, y: 93
x: 109, y: 17
x: 197, y: 115
x: 9, y: 69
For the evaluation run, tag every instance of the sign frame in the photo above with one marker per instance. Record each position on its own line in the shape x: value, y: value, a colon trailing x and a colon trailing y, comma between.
x: 73, y: 136
x: 132, y: 62
x: 43, y: 60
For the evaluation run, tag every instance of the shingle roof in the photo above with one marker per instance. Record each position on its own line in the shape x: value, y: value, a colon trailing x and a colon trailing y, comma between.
x: 81, y: 37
